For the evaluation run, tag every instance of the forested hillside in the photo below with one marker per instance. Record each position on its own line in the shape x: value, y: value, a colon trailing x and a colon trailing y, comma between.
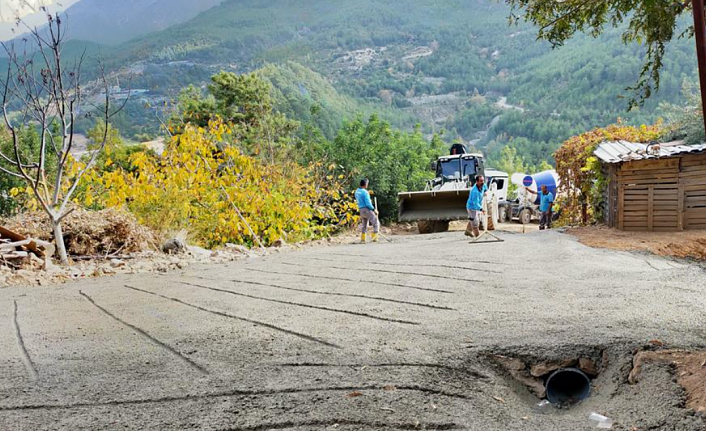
x: 454, y: 66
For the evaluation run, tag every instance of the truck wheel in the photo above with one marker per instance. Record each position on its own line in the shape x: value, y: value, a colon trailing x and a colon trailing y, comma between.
x: 502, y: 215
x: 426, y: 226
x: 441, y: 226
x: 526, y: 216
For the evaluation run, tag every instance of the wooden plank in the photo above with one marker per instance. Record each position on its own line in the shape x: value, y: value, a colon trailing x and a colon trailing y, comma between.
x: 650, y: 164
x: 671, y: 183
x: 692, y: 188
x: 32, y: 246
x: 693, y: 160
x: 650, y: 210
x: 696, y: 212
x: 693, y: 168
x: 665, y: 192
x: 621, y: 207
x: 665, y: 221
x: 680, y: 209
x: 693, y: 173
x: 701, y: 181
x: 652, y: 173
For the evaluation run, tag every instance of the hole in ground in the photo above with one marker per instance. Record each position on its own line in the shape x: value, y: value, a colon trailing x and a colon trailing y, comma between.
x: 564, y: 381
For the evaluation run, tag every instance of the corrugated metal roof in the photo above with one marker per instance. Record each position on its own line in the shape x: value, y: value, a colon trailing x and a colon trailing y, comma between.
x: 623, y: 151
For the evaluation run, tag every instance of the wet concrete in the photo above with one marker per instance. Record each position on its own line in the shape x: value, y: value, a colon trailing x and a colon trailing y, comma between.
x: 386, y: 336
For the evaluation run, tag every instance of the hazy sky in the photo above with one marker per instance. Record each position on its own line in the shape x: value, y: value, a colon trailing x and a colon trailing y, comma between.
x: 29, y: 11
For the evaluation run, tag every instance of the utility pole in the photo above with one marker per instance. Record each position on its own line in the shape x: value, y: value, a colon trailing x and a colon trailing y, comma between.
x: 700, y: 32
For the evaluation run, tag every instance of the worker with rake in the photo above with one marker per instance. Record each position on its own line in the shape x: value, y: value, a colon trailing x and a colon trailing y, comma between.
x: 368, y: 213
x: 475, y: 207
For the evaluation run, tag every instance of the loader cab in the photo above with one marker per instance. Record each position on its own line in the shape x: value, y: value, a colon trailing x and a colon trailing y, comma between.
x: 449, y: 168
x: 472, y: 166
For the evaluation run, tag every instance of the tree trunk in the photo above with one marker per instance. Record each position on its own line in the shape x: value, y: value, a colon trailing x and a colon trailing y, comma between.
x: 59, y: 240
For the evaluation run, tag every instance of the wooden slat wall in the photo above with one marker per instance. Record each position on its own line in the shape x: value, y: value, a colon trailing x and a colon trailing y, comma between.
x: 693, y: 182
x: 611, y: 196
x: 659, y: 195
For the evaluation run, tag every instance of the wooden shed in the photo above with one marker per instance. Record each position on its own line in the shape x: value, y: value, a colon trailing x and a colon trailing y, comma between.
x: 654, y: 187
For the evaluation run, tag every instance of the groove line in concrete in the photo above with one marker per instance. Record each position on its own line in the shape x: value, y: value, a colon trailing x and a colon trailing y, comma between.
x: 243, y: 319
x: 146, y: 335
x: 349, y: 295
x: 234, y: 393
x: 420, y: 265
x: 298, y: 304
x: 388, y: 271
x: 320, y: 424
x: 329, y: 277
x: 26, y: 358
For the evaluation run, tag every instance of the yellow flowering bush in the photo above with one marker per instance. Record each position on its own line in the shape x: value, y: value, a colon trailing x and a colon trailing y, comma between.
x: 207, y: 186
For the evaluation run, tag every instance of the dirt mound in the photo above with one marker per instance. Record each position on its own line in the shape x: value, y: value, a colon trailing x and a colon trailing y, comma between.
x: 691, y: 373
x: 90, y: 233
x: 686, y: 244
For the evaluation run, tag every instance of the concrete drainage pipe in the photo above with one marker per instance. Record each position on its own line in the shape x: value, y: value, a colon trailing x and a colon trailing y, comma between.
x: 567, y: 386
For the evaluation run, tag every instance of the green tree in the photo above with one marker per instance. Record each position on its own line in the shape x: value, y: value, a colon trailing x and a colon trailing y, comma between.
x: 652, y: 22
x: 686, y: 120
x: 392, y: 160
x: 29, y: 149
x: 244, y: 103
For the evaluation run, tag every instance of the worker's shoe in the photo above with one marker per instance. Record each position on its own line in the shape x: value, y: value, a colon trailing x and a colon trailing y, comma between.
x: 375, y: 237
x: 362, y: 238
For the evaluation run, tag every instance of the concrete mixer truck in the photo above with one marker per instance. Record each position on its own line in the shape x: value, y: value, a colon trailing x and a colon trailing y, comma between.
x: 444, y: 198
x: 525, y: 207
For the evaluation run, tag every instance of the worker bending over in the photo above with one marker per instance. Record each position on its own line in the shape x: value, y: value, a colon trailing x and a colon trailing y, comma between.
x: 546, y: 201
x: 368, y: 213
x: 475, y: 206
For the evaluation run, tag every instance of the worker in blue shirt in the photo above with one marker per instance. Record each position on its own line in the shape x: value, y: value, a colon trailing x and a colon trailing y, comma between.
x: 368, y: 213
x: 475, y: 206
x: 546, y: 201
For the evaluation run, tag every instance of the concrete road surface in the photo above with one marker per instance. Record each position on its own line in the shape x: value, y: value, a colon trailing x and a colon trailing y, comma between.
x: 396, y: 335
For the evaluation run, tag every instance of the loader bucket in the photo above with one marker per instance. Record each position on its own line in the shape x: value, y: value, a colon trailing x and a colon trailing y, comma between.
x: 434, y: 205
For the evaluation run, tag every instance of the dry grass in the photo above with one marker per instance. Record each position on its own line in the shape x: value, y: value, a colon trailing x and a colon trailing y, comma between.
x: 89, y: 233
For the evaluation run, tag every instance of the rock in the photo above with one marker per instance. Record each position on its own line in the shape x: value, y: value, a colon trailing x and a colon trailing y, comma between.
x: 279, y: 243
x: 588, y: 366
x: 199, y: 251
x: 117, y: 263
x: 518, y: 370
x: 174, y: 246
x: 511, y: 364
x: 534, y: 384
x: 544, y: 368
x: 108, y: 269
x: 237, y: 248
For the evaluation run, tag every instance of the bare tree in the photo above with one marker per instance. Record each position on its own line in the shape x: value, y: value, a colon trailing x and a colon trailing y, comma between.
x: 40, y: 91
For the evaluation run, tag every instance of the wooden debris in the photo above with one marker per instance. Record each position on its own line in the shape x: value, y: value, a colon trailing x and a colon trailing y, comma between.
x: 14, y: 247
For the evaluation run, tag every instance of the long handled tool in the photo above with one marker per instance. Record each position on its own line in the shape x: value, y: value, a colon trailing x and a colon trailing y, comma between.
x: 485, y: 232
x: 378, y: 214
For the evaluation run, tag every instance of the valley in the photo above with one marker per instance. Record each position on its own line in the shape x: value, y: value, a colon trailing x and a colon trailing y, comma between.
x: 455, y: 68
